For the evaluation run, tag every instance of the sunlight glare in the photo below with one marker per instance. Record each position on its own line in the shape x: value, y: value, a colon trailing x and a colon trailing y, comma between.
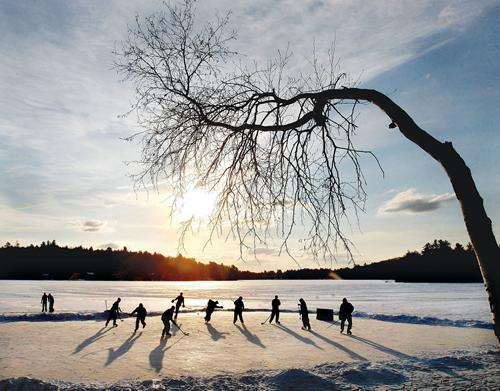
x: 197, y: 203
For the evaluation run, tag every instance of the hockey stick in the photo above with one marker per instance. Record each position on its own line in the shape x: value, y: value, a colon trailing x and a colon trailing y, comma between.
x: 334, y: 322
x: 266, y: 319
x: 181, y: 329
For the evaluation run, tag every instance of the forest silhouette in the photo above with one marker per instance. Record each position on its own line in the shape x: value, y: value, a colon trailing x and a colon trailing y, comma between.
x: 437, y: 262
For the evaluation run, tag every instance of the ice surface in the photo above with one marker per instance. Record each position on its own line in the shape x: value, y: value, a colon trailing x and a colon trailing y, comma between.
x: 412, y: 347
x: 446, y: 304
x: 84, y: 355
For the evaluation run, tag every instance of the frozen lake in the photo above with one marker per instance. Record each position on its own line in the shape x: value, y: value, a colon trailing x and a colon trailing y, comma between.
x: 463, y: 304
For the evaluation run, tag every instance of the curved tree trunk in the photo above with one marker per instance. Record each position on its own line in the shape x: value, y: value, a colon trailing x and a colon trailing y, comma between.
x: 476, y: 220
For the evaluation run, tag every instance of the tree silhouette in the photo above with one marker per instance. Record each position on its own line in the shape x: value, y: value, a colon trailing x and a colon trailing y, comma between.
x: 277, y: 148
x: 442, y: 264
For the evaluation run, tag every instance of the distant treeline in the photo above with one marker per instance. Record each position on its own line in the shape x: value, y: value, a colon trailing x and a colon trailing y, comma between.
x: 438, y: 261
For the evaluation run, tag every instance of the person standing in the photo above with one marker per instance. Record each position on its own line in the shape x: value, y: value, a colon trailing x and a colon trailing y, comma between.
x: 166, y: 318
x: 275, y: 312
x: 345, y: 313
x: 114, y: 312
x: 211, y: 306
x: 51, y: 300
x: 44, y: 302
x: 238, y: 309
x: 304, y: 314
x: 180, y: 301
x: 141, y: 316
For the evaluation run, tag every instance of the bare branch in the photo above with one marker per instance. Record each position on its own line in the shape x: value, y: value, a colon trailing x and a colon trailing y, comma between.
x: 272, y: 145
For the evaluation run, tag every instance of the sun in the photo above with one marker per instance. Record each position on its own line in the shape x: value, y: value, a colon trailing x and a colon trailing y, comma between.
x: 197, y: 203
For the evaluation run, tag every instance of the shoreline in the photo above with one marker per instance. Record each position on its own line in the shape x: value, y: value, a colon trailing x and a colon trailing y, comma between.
x: 8, y: 317
x: 395, y: 280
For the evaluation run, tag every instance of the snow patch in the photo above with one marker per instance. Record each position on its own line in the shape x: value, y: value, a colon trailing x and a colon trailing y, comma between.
x: 426, y: 320
x: 475, y: 371
x: 299, y: 379
x: 372, y: 376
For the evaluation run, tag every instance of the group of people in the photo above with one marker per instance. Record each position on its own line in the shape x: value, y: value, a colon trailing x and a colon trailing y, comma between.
x: 170, y: 315
x: 47, y: 299
x: 141, y: 313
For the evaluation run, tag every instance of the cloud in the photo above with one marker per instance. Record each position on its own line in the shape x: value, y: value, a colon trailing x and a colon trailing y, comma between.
x: 89, y: 225
x: 456, y: 14
x: 113, y: 246
x: 410, y: 201
x: 264, y: 251
x: 93, y: 225
x: 363, y: 31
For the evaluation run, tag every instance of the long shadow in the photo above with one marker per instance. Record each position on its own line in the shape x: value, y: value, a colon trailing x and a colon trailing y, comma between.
x: 122, y: 349
x: 349, y: 352
x: 385, y: 349
x: 174, y: 329
x: 157, y: 354
x: 401, y: 355
x: 250, y: 336
x: 214, y: 333
x: 298, y: 336
x: 90, y: 340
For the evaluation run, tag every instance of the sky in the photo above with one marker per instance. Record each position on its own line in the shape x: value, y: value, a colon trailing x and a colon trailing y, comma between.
x: 65, y: 166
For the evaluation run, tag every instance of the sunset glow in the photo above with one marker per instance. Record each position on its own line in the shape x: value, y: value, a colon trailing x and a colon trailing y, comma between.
x: 198, y: 204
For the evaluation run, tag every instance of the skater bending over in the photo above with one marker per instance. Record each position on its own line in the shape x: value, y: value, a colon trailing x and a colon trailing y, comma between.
x: 141, y: 316
x: 238, y: 309
x: 304, y: 314
x: 180, y: 301
x: 114, y: 312
x: 345, y: 313
x: 275, y: 312
x: 166, y: 318
x: 211, y: 306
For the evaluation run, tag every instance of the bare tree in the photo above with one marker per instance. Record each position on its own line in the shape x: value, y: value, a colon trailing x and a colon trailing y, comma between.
x: 278, y: 149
